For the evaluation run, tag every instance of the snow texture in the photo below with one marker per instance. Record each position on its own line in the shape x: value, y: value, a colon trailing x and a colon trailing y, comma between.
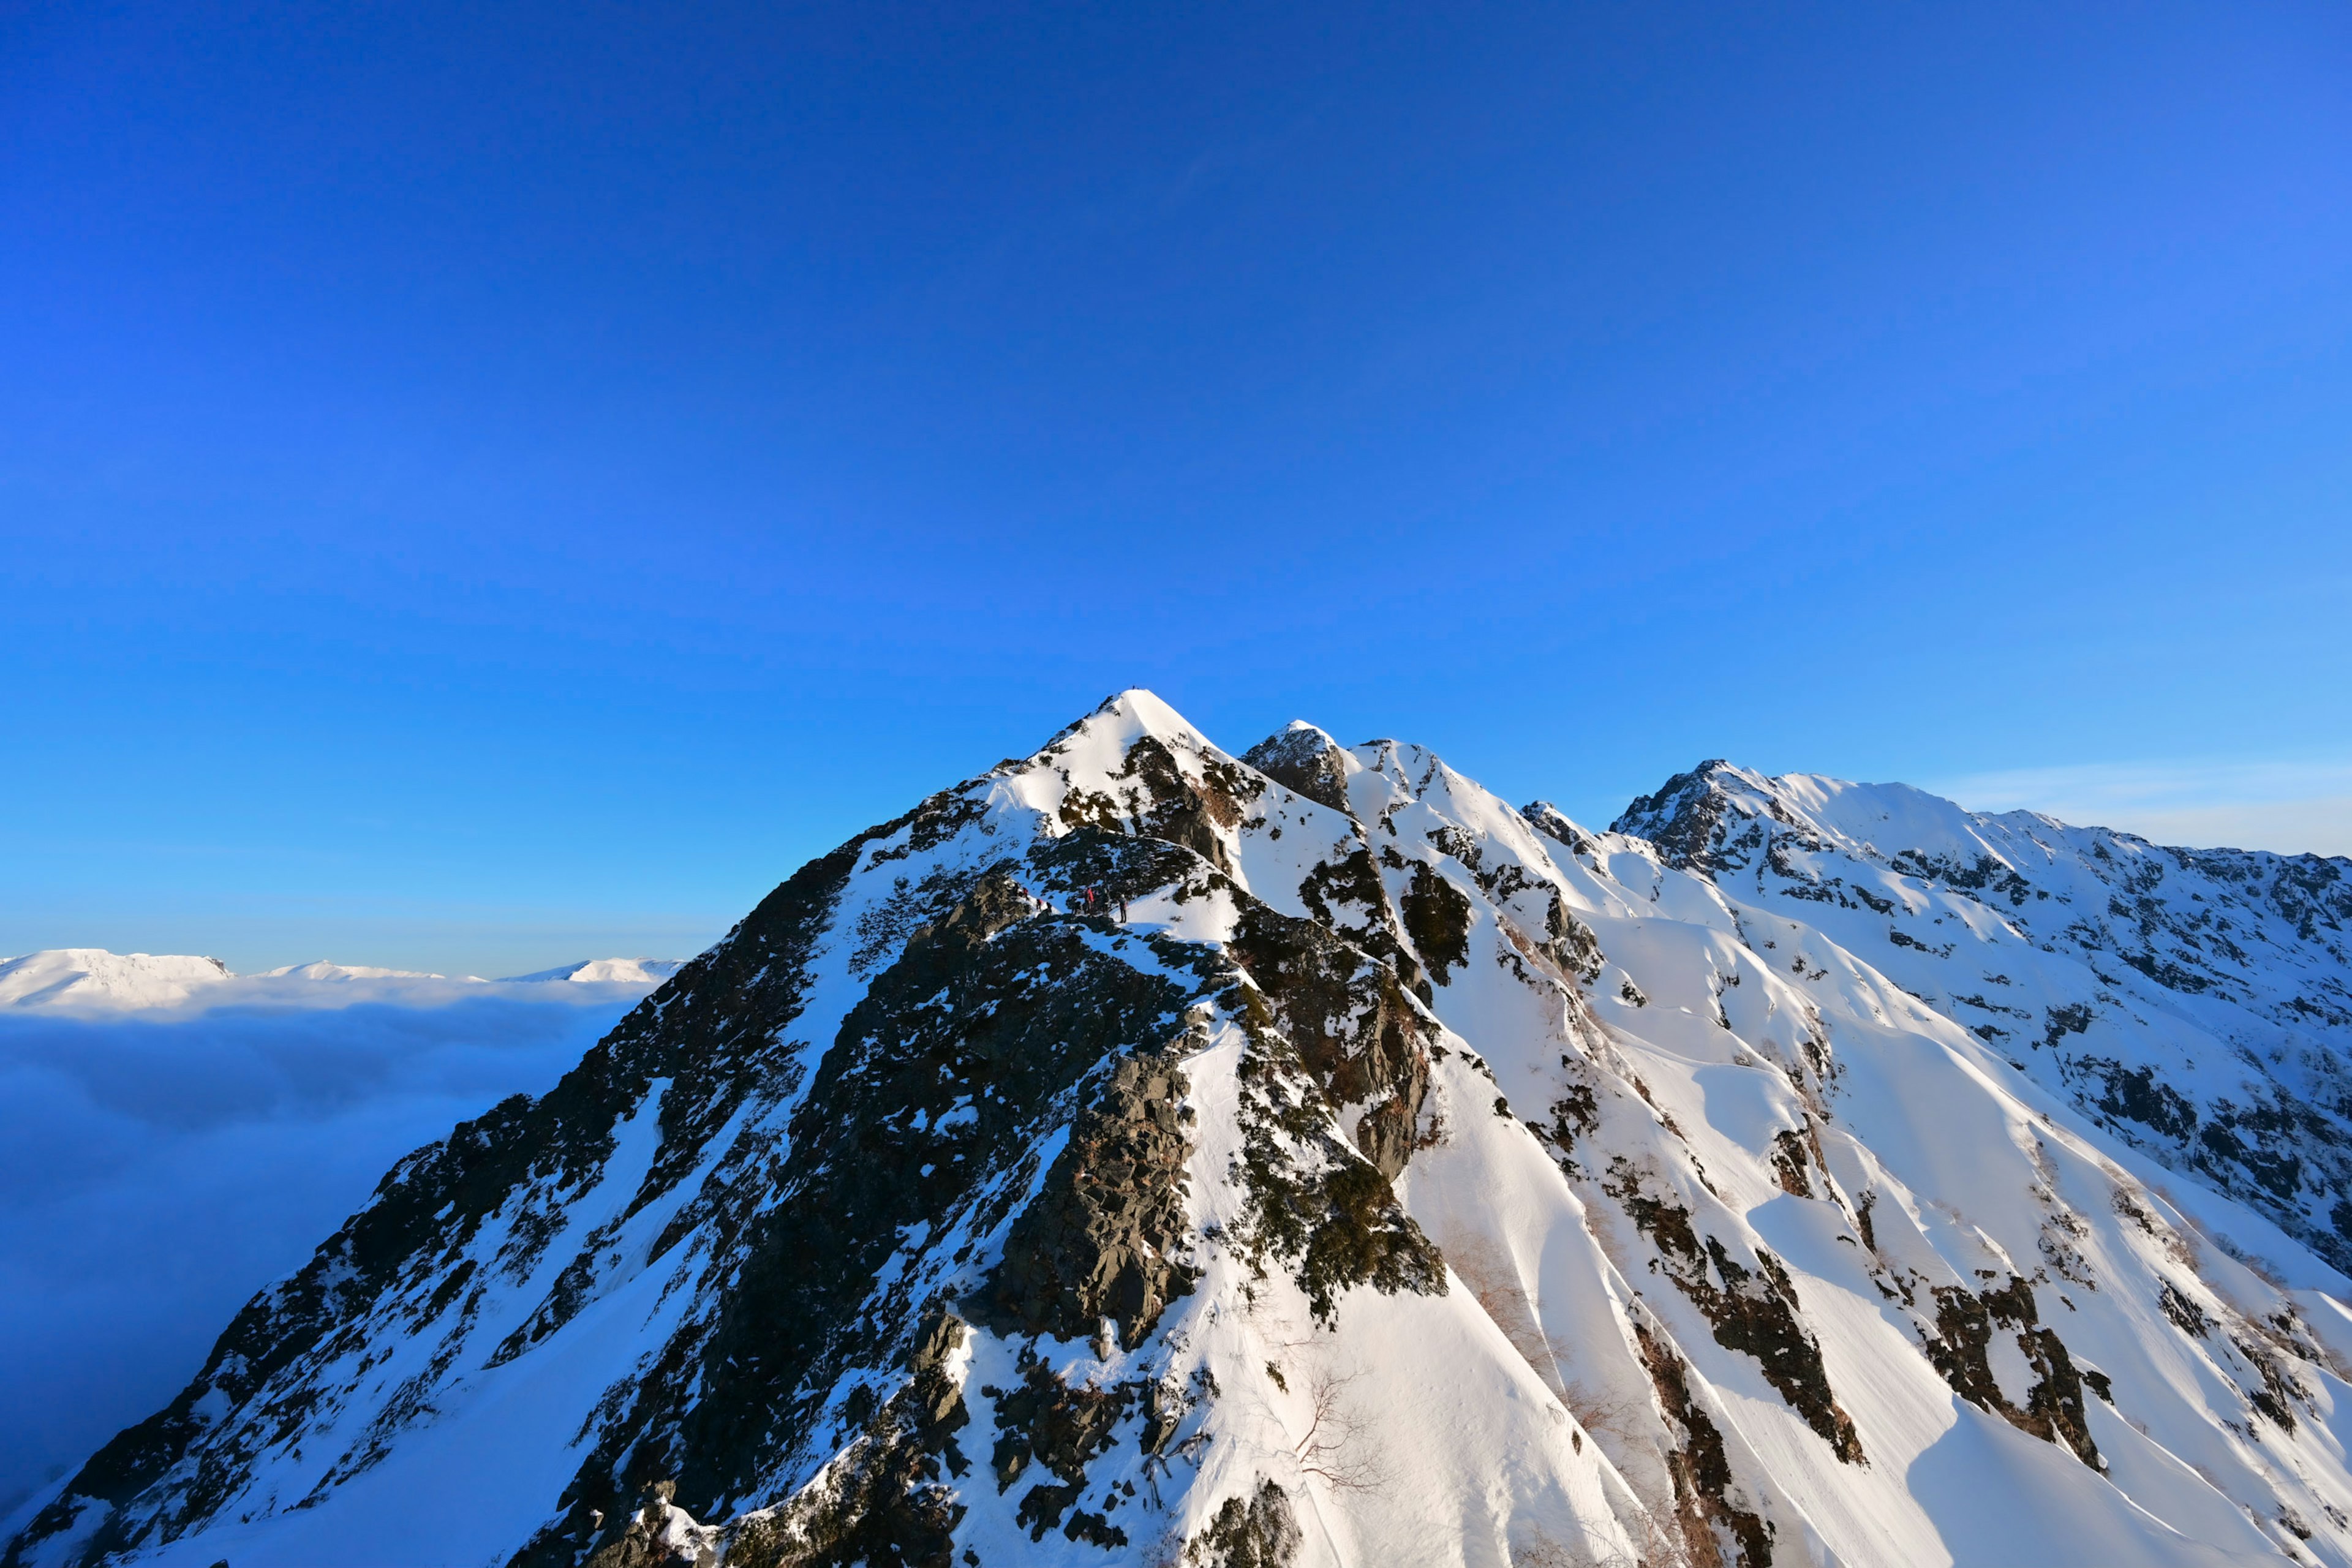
x: 1139, y: 1154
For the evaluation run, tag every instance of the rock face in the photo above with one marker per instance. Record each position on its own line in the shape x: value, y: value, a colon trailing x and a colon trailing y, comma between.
x: 1371, y: 1173
x: 1103, y: 1240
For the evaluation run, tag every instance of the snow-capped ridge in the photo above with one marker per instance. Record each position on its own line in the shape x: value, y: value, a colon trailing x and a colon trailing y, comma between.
x: 604, y: 971
x: 1139, y: 1154
x: 93, y: 980
x: 92, y: 977
x: 321, y: 969
x: 2195, y: 1002
x: 1127, y: 714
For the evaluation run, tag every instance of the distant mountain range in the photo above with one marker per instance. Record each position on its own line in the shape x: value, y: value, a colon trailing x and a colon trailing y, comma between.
x: 1142, y: 1154
x: 92, y: 978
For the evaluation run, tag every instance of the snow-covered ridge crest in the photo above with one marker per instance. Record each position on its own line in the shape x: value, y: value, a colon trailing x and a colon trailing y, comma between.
x: 1143, y: 1154
x: 647, y: 972
x: 93, y: 977
x: 2197, y: 1002
x: 321, y: 969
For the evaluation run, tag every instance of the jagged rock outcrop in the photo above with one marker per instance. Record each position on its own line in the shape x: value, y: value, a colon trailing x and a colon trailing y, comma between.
x: 1103, y: 1240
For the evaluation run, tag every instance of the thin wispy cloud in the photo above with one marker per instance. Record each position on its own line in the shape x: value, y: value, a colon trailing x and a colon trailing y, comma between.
x: 2299, y: 807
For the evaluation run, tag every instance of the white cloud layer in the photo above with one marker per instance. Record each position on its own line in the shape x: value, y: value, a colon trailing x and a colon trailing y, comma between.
x: 2294, y: 808
x: 157, y: 1169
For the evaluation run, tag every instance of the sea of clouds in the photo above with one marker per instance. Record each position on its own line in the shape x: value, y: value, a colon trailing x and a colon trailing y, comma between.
x: 158, y: 1169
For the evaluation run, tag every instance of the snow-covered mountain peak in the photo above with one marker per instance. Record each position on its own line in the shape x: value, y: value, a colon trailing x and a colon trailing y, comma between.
x: 1116, y: 724
x: 92, y: 977
x: 321, y: 969
x: 1557, y: 826
x: 1139, y: 1154
x: 1876, y: 821
x: 1303, y: 758
x: 645, y: 971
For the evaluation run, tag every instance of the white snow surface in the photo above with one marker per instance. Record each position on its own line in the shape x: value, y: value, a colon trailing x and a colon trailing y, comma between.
x: 93, y: 977
x: 1751, y: 1235
x: 2197, y: 1003
x: 645, y: 971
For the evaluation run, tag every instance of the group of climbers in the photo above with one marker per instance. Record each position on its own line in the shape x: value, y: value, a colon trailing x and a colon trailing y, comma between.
x: 1087, y: 900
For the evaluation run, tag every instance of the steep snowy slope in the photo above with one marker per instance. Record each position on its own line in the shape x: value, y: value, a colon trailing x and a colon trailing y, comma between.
x: 1139, y: 1154
x: 2195, y: 1002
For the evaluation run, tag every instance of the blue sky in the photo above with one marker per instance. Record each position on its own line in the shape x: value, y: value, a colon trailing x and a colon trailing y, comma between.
x: 485, y: 486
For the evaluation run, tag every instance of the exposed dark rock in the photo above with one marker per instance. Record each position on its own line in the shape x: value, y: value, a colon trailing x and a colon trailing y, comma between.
x: 1350, y: 1023
x: 1750, y: 1310
x: 649, y: 1541
x: 1328, y: 1026
x: 1103, y: 1238
x: 1259, y: 1532
x: 1437, y: 917
x: 1789, y: 1164
x: 1681, y: 819
x: 1706, y: 1507
x: 1161, y: 802
x: 1058, y: 1427
x: 884, y: 1502
x: 1336, y: 1227
x: 1965, y: 1323
x: 1348, y: 899
x: 1305, y: 759
x: 1553, y: 824
x: 2071, y: 1019
x: 1572, y: 944
x: 988, y: 1013
x: 1364, y: 1237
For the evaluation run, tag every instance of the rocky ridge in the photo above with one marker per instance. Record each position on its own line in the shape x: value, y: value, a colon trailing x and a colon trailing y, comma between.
x: 2195, y: 1003
x: 1366, y: 1172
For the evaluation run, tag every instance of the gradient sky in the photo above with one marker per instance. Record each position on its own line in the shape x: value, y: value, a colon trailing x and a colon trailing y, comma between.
x: 482, y: 486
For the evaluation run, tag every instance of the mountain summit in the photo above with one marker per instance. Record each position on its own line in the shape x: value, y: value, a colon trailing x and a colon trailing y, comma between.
x: 1144, y: 1154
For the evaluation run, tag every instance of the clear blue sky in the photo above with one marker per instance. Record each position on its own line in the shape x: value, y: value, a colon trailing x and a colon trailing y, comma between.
x: 484, y: 485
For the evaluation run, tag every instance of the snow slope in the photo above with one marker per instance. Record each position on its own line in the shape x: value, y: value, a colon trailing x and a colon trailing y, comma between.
x: 2196, y: 1002
x: 1143, y: 1154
